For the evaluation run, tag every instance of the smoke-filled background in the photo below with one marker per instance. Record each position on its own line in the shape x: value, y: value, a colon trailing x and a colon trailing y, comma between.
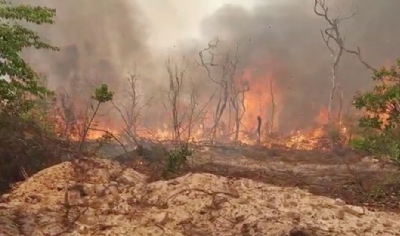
x: 103, y: 40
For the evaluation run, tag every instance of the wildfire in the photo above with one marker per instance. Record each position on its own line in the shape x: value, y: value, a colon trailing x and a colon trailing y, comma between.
x: 301, y: 139
x: 263, y: 99
x: 322, y: 117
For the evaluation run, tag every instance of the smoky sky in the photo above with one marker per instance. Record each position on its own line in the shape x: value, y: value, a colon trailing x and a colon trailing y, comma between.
x: 103, y: 40
x: 289, y: 33
x: 99, y: 40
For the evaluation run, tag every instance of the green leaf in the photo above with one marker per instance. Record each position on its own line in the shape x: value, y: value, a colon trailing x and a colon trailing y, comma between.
x: 381, y: 121
x: 13, y: 39
x: 102, y: 94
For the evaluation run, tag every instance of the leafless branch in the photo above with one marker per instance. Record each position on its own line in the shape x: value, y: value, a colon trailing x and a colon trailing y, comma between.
x: 222, y: 70
x: 320, y: 9
x: 332, y: 34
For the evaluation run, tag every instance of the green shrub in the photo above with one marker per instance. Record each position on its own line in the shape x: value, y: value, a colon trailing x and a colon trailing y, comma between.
x: 176, y: 159
x: 380, y: 122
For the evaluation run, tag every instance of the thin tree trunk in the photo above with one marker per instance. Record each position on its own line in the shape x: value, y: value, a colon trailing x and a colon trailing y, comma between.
x: 271, y: 128
x: 330, y: 105
x: 219, y: 112
x: 259, y: 123
x: 237, y: 124
x: 339, y: 117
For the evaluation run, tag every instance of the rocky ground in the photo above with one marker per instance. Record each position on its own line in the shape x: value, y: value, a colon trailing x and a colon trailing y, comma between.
x: 356, y: 178
x: 229, y: 191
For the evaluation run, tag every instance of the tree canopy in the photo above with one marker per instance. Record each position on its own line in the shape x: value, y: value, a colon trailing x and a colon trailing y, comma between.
x: 14, y: 38
x: 381, y: 119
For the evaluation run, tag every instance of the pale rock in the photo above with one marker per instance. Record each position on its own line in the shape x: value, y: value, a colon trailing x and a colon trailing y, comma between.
x: 89, y: 190
x: 113, y: 183
x: 339, y: 214
x: 161, y: 218
x: 99, y: 190
x: 295, y: 216
x: 387, y: 224
x: 113, y: 190
x: 339, y: 202
x: 127, y: 180
x: 354, y: 210
x: 83, y: 230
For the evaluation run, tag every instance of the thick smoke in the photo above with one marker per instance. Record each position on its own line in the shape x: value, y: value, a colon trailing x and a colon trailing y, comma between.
x: 103, y: 40
x: 100, y: 42
x: 288, y: 33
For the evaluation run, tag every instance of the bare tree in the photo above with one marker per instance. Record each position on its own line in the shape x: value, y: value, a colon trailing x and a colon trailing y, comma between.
x: 222, y: 70
x: 335, y: 42
x: 341, y: 93
x: 132, y: 110
x: 183, y: 102
x: 259, y: 123
x: 237, y: 99
x: 237, y: 91
x: 272, y: 118
x: 174, y: 93
x: 132, y: 107
x: 73, y: 118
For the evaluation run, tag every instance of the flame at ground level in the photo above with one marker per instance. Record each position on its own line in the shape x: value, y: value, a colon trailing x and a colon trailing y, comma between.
x: 308, y: 139
x: 263, y: 99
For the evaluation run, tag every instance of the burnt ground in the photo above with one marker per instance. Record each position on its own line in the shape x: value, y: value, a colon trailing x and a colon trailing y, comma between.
x: 351, y: 176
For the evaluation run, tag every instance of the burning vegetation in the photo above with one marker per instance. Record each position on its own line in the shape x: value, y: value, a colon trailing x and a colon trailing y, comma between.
x: 210, y: 97
x: 215, y: 110
x: 244, y: 108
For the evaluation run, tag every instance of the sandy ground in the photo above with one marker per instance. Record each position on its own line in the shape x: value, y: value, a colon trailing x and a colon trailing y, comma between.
x: 108, y: 199
x: 343, y: 174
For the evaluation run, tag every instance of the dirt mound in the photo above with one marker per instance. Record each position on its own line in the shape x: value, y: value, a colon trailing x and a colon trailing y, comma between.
x: 113, y: 200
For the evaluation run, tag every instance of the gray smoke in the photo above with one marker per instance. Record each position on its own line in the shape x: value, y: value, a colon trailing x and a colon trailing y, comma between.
x: 288, y: 34
x: 103, y: 40
x: 99, y: 41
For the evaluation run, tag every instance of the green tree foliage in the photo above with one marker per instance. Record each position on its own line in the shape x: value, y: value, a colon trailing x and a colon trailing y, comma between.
x: 381, y: 122
x: 102, y: 95
x: 176, y: 159
x: 24, y: 146
x: 13, y: 39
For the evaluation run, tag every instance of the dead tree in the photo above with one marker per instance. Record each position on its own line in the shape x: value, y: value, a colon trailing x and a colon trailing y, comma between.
x: 271, y: 123
x: 237, y: 102
x: 176, y: 76
x: 183, y: 102
x: 68, y: 114
x: 333, y: 35
x: 196, y: 112
x: 339, y: 115
x: 335, y: 43
x: 135, y: 104
x: 222, y: 70
x: 237, y: 91
x: 132, y: 109
x: 259, y: 123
